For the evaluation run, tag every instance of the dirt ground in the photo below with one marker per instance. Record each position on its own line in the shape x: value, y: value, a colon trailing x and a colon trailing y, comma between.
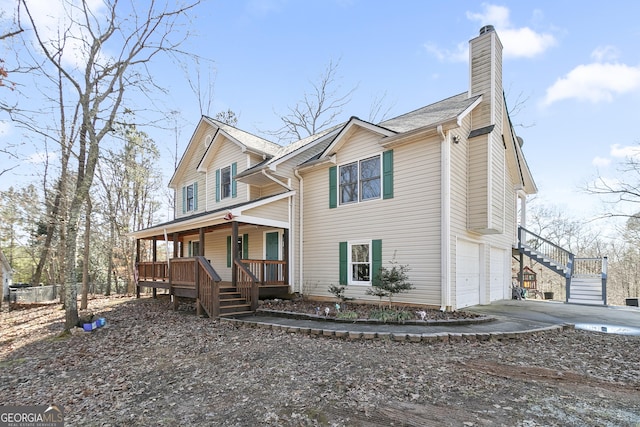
x: 151, y: 366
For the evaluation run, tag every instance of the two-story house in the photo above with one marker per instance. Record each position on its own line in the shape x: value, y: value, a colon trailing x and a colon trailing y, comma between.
x: 437, y: 189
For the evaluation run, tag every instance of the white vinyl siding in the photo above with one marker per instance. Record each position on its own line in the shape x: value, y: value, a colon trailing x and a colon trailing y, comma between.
x: 278, y: 210
x: 408, y: 224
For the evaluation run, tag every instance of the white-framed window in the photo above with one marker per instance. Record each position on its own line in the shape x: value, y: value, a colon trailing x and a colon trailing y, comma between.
x: 225, y: 182
x: 359, y: 262
x: 360, y: 181
x: 190, y: 197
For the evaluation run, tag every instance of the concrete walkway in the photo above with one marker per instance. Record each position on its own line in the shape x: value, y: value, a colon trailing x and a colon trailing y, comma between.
x: 512, y: 318
x: 617, y: 319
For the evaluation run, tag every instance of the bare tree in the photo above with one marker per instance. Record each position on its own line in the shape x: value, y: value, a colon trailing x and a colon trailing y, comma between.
x: 228, y: 117
x: 379, y: 110
x: 317, y: 110
x: 622, y: 194
x: 203, y: 90
x: 96, y: 79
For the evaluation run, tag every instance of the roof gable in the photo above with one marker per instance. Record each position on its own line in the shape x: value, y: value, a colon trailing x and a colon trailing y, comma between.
x: 216, y: 132
x: 349, y: 128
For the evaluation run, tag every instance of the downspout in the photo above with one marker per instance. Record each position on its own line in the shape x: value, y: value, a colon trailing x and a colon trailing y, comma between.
x: 291, y: 237
x: 445, y: 222
x: 300, y: 226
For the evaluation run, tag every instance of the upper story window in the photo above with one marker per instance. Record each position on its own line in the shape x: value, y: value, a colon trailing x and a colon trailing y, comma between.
x: 226, y: 185
x: 225, y: 181
x: 360, y: 181
x: 190, y: 198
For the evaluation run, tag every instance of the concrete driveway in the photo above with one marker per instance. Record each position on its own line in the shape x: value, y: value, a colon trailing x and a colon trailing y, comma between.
x: 611, y: 319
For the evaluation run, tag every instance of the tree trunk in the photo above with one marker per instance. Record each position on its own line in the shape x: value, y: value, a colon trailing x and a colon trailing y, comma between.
x: 85, y: 263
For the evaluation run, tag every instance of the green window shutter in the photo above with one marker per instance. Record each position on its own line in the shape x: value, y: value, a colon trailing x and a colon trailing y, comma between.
x: 376, y: 260
x: 387, y: 174
x: 229, y: 251
x: 217, y: 185
x: 195, y: 196
x: 343, y: 263
x: 184, y: 199
x: 333, y: 187
x: 234, y: 184
x: 245, y: 246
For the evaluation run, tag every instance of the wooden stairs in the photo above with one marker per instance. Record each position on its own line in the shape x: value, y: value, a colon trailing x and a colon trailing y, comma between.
x: 232, y: 303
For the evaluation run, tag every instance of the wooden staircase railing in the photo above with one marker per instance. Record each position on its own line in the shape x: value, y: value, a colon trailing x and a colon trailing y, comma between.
x: 247, y: 285
x: 207, y: 283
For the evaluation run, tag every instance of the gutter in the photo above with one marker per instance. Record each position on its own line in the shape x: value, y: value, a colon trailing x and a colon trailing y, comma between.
x: 445, y: 221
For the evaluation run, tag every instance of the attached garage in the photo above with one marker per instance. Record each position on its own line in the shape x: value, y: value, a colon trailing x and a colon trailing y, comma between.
x: 467, y: 274
x: 497, y: 274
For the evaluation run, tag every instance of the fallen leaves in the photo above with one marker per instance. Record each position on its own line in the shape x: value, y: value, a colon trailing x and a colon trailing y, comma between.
x: 150, y: 365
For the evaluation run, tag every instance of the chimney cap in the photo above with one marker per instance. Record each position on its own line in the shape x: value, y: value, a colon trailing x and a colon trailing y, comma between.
x: 486, y: 29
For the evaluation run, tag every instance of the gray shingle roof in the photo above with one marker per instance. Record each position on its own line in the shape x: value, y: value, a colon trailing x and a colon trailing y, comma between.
x: 438, y: 112
x: 248, y: 139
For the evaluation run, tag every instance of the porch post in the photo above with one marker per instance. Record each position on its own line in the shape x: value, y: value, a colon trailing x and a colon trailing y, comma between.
x: 234, y: 253
x: 136, y: 276
x: 175, y: 245
x: 201, y: 238
x: 285, y: 256
x: 154, y: 290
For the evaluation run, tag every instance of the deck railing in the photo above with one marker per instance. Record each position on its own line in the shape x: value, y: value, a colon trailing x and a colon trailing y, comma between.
x: 546, y: 248
x: 182, y: 272
x: 153, y: 271
x: 208, y: 286
x: 590, y: 267
x: 267, y: 272
x: 247, y: 284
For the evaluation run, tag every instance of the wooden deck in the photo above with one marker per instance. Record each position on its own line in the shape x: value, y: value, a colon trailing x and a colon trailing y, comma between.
x: 195, y: 278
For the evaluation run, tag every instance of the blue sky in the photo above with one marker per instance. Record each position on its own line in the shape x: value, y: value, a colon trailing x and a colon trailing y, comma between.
x: 576, y: 66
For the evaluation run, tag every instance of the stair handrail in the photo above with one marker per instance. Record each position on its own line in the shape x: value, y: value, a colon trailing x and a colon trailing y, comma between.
x: 252, y: 293
x: 206, y: 286
x: 550, y: 250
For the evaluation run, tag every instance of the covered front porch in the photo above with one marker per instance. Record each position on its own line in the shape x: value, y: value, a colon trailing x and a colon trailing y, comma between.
x: 223, y: 263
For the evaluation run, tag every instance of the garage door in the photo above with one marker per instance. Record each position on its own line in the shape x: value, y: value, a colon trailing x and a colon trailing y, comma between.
x: 497, y: 274
x: 467, y: 274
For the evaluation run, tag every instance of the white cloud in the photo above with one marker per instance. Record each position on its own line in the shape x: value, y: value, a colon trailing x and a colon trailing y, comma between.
x: 601, y: 162
x: 498, y: 16
x: 625, y: 151
x: 522, y: 42
x: 594, y: 82
x: 55, y: 17
x: 605, y: 53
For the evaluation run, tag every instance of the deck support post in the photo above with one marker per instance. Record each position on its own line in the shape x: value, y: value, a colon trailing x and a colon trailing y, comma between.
x: 154, y: 291
x: 136, y: 267
x: 234, y: 253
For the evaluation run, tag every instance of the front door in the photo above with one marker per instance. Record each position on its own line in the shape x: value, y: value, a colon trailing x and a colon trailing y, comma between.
x: 272, y: 252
